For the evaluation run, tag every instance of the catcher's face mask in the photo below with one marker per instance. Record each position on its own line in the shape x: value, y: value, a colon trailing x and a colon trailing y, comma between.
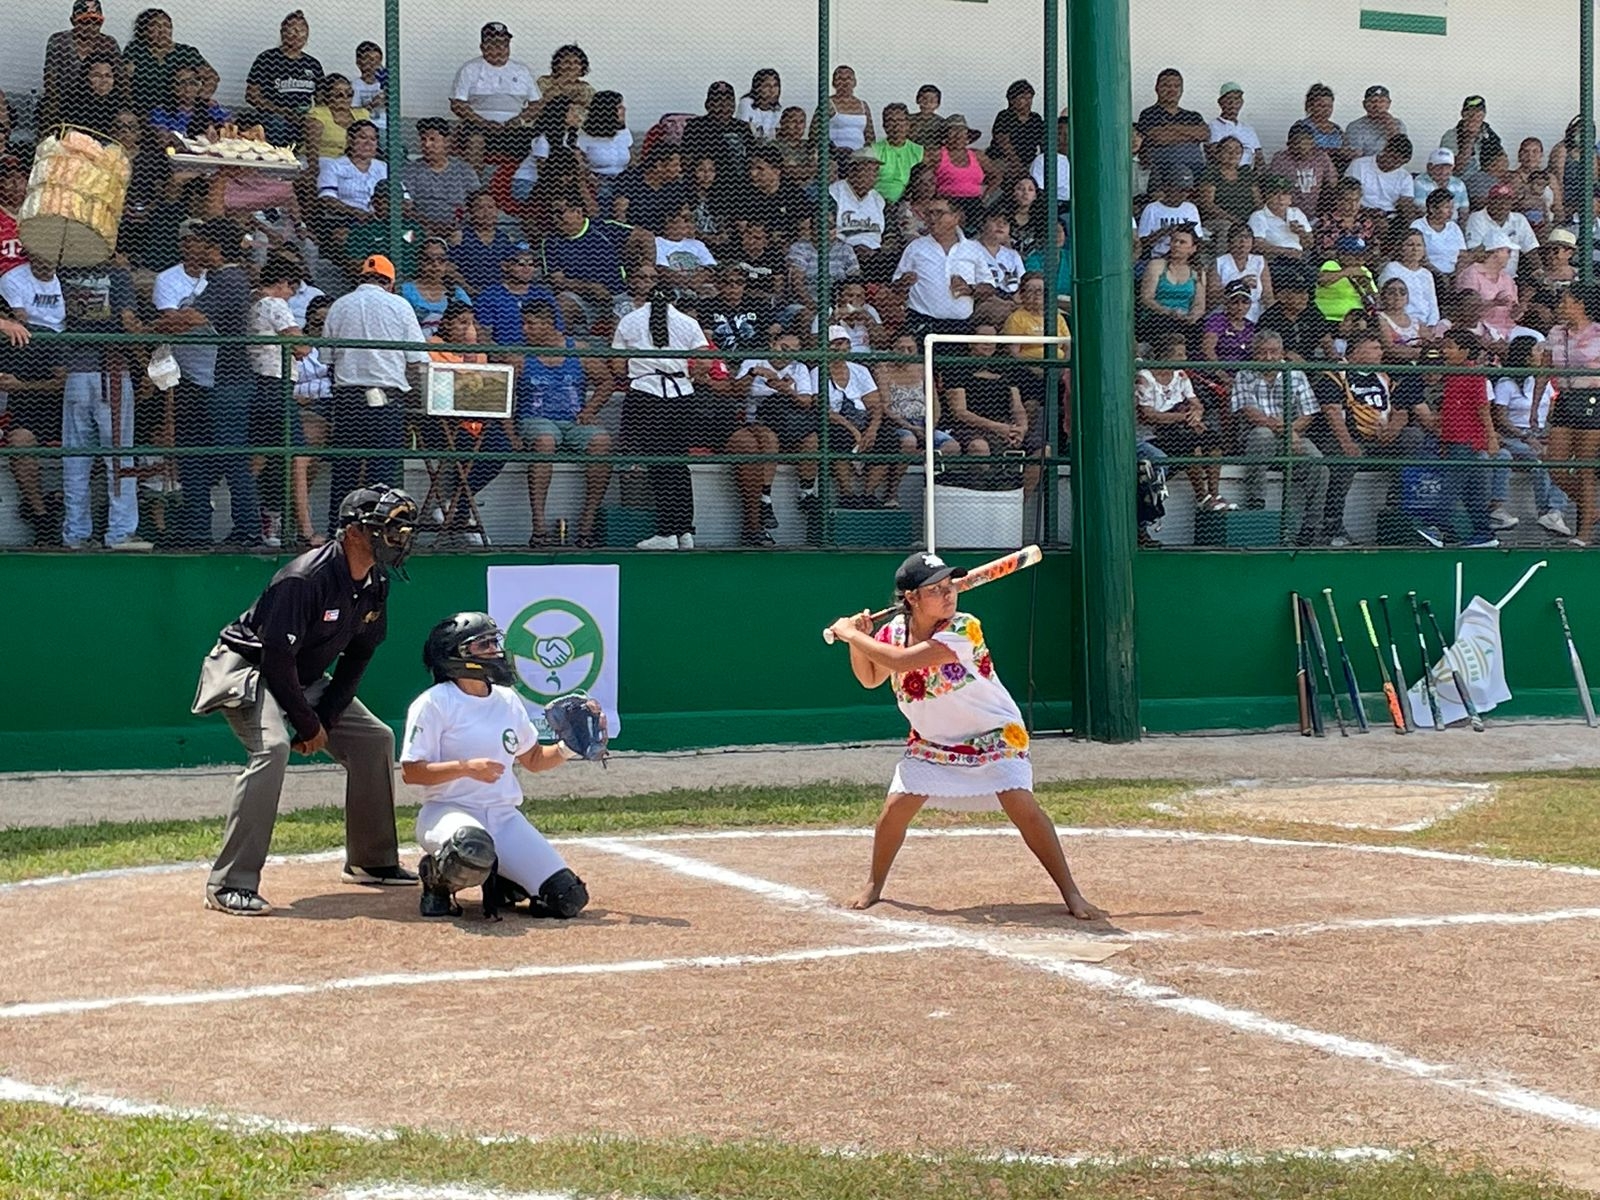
x: 487, y: 651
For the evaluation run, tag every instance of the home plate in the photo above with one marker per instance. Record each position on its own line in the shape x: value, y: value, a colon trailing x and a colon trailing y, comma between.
x: 1398, y: 806
x: 1062, y: 948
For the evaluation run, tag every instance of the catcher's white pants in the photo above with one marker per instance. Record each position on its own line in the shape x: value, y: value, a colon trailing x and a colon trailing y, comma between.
x: 526, y: 859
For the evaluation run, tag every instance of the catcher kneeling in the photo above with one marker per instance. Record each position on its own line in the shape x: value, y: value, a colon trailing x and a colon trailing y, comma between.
x: 462, y: 736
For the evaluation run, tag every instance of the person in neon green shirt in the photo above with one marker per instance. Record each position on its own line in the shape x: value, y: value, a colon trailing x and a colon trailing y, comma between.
x: 896, y: 152
x: 1345, y: 282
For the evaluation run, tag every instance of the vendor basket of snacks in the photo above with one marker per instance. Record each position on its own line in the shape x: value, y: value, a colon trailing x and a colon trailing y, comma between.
x: 74, y: 201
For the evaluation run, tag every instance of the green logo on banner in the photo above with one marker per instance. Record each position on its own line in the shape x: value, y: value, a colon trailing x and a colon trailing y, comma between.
x: 555, y: 646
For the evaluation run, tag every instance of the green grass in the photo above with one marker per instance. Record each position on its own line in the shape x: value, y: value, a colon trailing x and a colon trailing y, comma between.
x: 52, y: 1153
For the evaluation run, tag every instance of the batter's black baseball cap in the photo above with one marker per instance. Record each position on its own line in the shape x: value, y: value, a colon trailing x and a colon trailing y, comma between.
x: 921, y: 569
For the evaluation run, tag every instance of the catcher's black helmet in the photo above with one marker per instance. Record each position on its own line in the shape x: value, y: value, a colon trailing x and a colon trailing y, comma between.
x: 388, y: 515
x: 468, y: 645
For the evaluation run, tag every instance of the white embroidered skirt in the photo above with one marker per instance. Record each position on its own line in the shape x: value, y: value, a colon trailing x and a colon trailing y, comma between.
x: 964, y: 789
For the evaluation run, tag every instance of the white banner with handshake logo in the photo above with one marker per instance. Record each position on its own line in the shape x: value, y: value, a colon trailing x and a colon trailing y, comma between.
x: 561, y: 633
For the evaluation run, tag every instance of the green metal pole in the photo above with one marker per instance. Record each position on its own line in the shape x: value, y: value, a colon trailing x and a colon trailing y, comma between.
x: 1584, y: 208
x: 1052, y: 264
x: 394, y: 151
x: 1105, y: 682
x: 824, y: 284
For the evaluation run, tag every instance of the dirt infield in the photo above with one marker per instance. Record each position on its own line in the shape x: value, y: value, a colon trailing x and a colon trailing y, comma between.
x: 1257, y: 995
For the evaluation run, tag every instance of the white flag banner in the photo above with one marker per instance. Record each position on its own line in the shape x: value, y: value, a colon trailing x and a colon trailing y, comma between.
x: 1478, y: 654
x: 561, y: 633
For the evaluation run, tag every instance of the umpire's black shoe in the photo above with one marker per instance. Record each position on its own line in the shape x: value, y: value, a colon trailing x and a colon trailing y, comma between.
x: 379, y: 876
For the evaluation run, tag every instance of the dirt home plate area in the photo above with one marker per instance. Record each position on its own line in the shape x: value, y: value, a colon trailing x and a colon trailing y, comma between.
x: 1247, y: 994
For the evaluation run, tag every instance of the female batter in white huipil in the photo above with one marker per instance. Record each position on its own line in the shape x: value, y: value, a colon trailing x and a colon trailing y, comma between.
x: 462, y: 736
x: 968, y: 747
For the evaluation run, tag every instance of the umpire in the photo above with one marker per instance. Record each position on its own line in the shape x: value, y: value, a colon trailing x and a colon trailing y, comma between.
x: 267, y: 670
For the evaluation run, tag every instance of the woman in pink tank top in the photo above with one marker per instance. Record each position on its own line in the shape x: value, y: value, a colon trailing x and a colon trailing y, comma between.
x: 963, y: 174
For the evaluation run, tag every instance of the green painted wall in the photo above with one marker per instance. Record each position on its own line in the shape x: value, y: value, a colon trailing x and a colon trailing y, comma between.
x: 99, y: 655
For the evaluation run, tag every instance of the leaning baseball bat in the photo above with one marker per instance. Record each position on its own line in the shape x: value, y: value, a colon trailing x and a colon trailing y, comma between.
x: 1396, y: 715
x: 1427, y: 667
x: 1322, y: 659
x: 1394, y: 657
x: 1350, y: 684
x: 1445, y: 649
x: 1578, y: 676
x: 1007, y: 564
x: 1302, y: 688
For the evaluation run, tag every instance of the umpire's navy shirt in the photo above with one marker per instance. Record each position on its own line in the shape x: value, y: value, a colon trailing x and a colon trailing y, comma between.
x: 311, y: 614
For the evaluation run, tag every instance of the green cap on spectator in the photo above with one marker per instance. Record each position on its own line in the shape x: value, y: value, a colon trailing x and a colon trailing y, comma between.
x: 1229, y: 88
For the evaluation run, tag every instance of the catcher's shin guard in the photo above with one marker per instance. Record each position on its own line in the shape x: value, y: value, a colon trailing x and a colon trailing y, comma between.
x: 437, y: 899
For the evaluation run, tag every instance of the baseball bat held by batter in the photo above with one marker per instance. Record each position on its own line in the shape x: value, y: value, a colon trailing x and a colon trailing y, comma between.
x: 1007, y: 564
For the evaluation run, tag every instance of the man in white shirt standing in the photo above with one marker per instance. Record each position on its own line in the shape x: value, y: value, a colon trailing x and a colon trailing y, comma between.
x: 1386, y: 185
x: 1496, y: 214
x: 1371, y: 133
x: 496, y: 95
x: 1230, y: 100
x: 368, y: 409
x: 937, y: 277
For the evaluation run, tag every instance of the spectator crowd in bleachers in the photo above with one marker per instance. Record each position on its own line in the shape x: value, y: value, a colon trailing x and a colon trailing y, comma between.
x: 539, y: 211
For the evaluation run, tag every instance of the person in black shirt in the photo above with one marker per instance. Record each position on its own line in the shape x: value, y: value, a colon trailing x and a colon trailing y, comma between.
x: 719, y: 136
x: 1306, y: 333
x: 267, y: 672
x: 283, y: 81
x: 1018, y: 133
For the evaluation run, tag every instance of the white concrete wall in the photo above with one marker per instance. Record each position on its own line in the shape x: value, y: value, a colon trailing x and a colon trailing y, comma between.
x: 661, y: 54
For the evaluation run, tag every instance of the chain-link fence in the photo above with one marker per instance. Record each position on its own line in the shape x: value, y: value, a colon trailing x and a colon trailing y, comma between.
x: 628, y: 284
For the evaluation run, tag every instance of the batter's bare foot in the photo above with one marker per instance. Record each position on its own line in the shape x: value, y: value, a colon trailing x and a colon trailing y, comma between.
x: 1082, y: 909
x: 867, y: 898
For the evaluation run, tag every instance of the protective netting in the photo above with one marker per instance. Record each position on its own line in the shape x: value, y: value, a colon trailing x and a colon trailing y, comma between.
x: 726, y: 267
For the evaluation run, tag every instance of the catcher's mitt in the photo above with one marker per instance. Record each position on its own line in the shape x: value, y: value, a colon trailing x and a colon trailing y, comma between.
x: 579, y: 726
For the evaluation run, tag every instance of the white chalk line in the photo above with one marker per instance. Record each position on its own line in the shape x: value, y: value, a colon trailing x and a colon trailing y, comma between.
x: 1504, y: 1094
x: 56, y: 1008
x: 15, y: 1091
x: 980, y: 831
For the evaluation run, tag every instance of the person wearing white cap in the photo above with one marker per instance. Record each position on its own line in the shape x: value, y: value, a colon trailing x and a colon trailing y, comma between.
x: 1230, y: 100
x: 1440, y: 173
x: 1491, y: 278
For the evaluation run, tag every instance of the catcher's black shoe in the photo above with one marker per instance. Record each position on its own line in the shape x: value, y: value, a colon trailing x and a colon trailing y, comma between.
x: 436, y: 900
x: 238, y: 902
x: 396, y: 876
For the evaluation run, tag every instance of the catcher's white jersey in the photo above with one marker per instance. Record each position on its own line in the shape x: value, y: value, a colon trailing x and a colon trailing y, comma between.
x: 445, y: 724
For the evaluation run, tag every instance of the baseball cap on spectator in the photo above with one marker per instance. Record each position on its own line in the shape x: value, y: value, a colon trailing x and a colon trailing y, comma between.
x: 1474, y: 104
x: 87, y: 12
x: 1499, y: 190
x: 1442, y: 156
x: 1376, y: 89
x: 1350, y: 244
x: 1272, y: 185
x: 379, y: 266
x: 1237, y: 288
x: 189, y: 228
x: 518, y: 252
x: 1561, y: 237
x: 1495, y: 239
x: 838, y: 333
x: 494, y: 29
x: 1229, y: 88
x: 921, y: 569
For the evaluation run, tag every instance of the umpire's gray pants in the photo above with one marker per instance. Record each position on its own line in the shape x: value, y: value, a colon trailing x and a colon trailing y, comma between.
x: 359, y: 742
